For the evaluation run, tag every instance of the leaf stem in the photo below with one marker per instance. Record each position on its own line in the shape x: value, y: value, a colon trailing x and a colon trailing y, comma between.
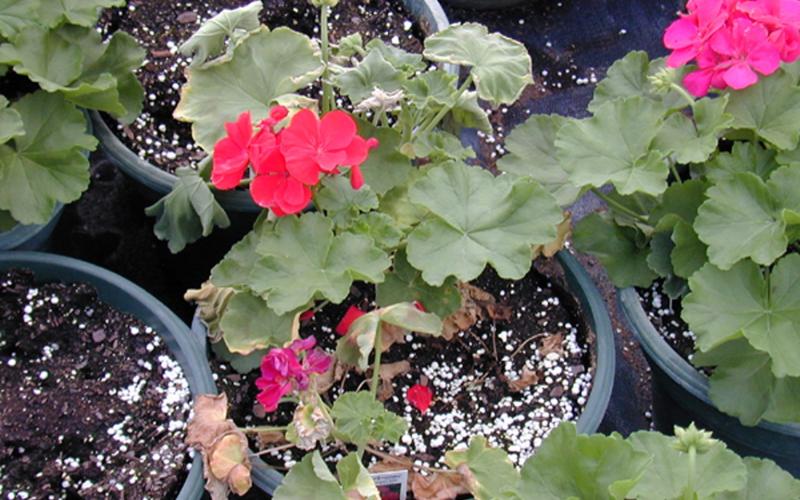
x: 682, y: 91
x: 690, y: 491
x: 327, y: 91
x: 270, y: 450
x: 442, y: 112
x: 391, y: 458
x: 376, y: 365
x: 674, y: 170
x: 618, y: 206
x: 264, y: 428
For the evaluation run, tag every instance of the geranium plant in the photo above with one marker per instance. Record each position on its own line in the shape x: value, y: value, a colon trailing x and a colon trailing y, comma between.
x: 702, y: 164
x: 56, y: 64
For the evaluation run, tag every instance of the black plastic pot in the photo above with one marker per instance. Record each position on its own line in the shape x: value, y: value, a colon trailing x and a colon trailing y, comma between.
x: 680, y: 396
x: 127, y: 297
x: 31, y: 237
x: 156, y: 182
x: 582, y: 287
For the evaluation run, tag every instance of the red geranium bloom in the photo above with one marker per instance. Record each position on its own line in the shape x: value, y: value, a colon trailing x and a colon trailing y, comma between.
x: 312, y: 146
x: 687, y: 35
x: 282, y: 372
x: 274, y: 188
x: 420, y: 396
x: 782, y: 19
x: 352, y: 314
x: 231, y: 155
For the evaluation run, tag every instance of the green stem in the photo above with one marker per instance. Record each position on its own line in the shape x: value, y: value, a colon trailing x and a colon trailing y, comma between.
x: 327, y: 91
x: 690, y: 491
x: 264, y: 428
x: 443, y: 112
x: 682, y: 91
x: 618, y: 206
x: 376, y: 365
x: 674, y: 169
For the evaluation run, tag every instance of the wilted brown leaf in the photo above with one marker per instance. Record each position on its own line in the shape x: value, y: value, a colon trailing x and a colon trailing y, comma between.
x: 387, y: 373
x: 390, y: 335
x: 552, y: 343
x: 527, y: 379
x: 392, y: 463
x: 499, y: 312
x: 209, y: 421
x: 264, y: 439
x: 474, y: 302
x: 564, y: 231
x: 211, y: 302
x: 334, y: 374
x: 438, y: 486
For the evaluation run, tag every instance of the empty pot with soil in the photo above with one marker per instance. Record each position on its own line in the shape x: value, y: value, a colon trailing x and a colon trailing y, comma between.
x: 97, y: 379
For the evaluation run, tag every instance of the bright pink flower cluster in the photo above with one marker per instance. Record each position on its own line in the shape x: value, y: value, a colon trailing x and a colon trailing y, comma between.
x: 287, y: 369
x: 288, y: 162
x: 733, y: 40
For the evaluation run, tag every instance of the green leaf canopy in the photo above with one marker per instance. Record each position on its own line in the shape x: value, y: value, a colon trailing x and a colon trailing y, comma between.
x: 724, y: 305
x: 309, y: 478
x: 615, y: 145
x: 476, y: 219
x: 248, y: 325
x: 219, y: 93
x: 10, y: 122
x: 492, y: 473
x: 209, y: 41
x: 46, y: 165
x: 305, y: 261
x: 500, y: 66
x: 359, y: 419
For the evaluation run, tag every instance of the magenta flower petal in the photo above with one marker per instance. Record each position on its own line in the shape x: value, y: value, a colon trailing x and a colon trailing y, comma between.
x: 740, y: 76
x: 680, y: 34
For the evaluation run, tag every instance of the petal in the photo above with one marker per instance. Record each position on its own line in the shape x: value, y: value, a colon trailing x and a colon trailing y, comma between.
x: 420, y: 396
x: 680, y: 34
x: 295, y: 197
x: 356, y: 177
x: 300, y: 345
x: 679, y: 57
x: 698, y: 82
x: 740, y: 76
x: 263, y: 189
x: 336, y: 130
x: 329, y: 160
x: 317, y: 361
x: 230, y: 164
x: 301, y: 137
x: 722, y: 43
x: 305, y: 170
x: 262, y: 146
x: 352, y: 314
x: 765, y: 58
x: 241, y: 130
x: 271, y: 395
x: 273, y: 163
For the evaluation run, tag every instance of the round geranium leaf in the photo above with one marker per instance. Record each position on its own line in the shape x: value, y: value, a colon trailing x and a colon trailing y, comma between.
x: 500, y: 66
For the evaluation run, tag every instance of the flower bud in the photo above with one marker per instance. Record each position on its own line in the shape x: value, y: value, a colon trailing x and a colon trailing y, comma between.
x: 692, y: 437
x: 663, y: 79
x: 319, y: 3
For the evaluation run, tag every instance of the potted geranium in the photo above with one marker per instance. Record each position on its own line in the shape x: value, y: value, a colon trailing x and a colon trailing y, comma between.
x: 702, y: 166
x: 376, y: 228
x: 53, y: 64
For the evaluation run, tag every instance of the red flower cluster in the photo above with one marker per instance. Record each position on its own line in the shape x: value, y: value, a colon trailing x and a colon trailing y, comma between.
x: 283, y: 371
x: 288, y: 162
x: 352, y: 314
x: 420, y: 396
x: 733, y: 40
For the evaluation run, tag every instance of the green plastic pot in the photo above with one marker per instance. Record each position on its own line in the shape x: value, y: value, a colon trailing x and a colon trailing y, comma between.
x: 33, y: 236
x: 127, y: 297
x: 680, y: 396
x: 485, y: 4
x: 157, y: 182
x: 582, y: 287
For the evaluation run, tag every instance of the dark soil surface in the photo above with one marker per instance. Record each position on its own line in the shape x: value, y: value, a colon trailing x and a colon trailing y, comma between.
x: 469, y: 375
x: 665, y: 314
x: 162, y: 26
x: 92, y: 405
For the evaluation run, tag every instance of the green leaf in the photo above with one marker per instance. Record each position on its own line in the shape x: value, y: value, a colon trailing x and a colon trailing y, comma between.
x: 695, y: 140
x: 715, y: 470
x: 44, y: 56
x: 659, y: 258
x: 80, y: 12
x: 615, y: 146
x: 477, y: 219
x: 744, y: 384
x: 350, y: 45
x: 7, y: 222
x: 771, y: 109
x: 765, y: 481
x: 569, y: 465
x: 440, y: 146
x: 408, y: 317
x: 492, y: 475
x: 744, y: 157
x: 532, y: 152
x: 405, y: 284
x: 46, y: 165
x: 360, y: 419
x: 10, y: 122
x: 356, y: 480
x: 386, y: 167
x: 236, y: 268
x: 188, y: 212
x: 16, y: 16
x: 407, y: 62
x: 309, y: 478
x: 629, y: 77
x: 380, y: 227
x: 689, y: 253
x: 724, y: 305
x: 219, y: 93
x: 398, y: 206
x: 242, y: 364
x: 341, y: 202
x: 305, y: 261
x: 615, y: 247
x: 372, y: 72
x: 500, y: 66
x: 741, y: 219
x: 210, y: 40
x: 679, y: 203
x: 468, y: 113
x: 435, y: 88
x: 248, y: 324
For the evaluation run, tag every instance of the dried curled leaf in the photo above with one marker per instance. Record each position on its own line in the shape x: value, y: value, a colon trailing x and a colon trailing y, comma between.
x: 552, y: 343
x: 387, y: 373
x: 438, y: 486
x: 311, y: 424
x: 564, y: 231
x: 474, y: 303
x: 527, y: 379
x: 211, y: 301
x: 335, y: 373
x: 223, y: 446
